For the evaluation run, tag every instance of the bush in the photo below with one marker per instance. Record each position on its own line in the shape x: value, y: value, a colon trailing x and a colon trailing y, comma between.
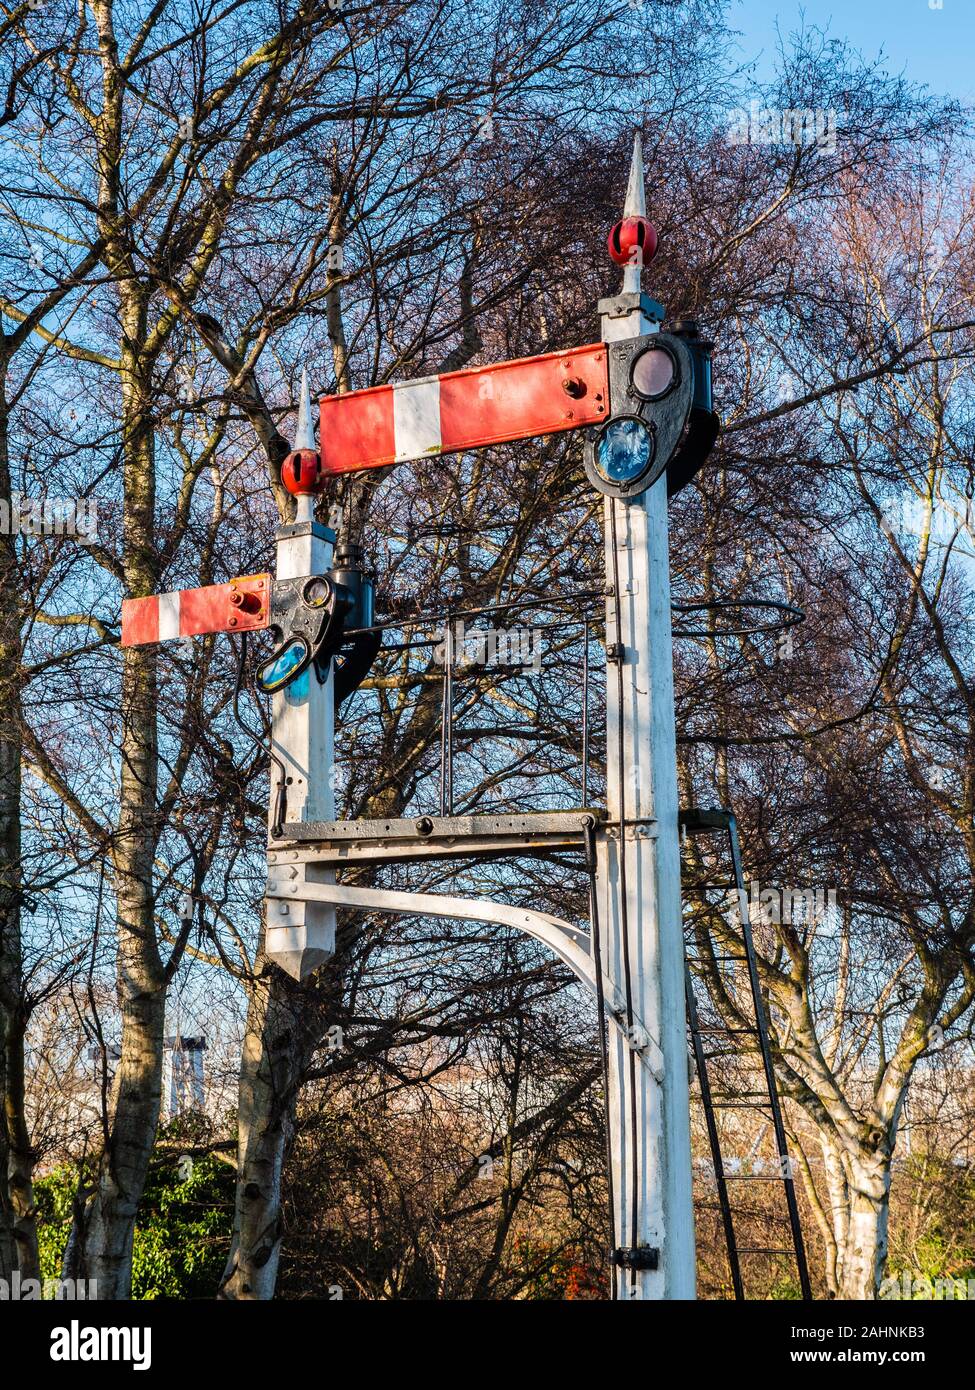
x: 182, y: 1235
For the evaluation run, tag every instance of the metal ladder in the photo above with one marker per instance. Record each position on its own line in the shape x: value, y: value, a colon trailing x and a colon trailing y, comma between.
x: 697, y: 821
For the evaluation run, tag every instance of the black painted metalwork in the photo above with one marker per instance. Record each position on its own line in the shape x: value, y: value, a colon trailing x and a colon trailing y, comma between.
x: 637, y: 1257
x: 714, y: 1141
x: 698, y: 821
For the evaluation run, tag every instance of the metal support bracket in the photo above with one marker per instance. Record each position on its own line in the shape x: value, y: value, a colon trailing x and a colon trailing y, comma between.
x: 621, y: 306
x: 569, y: 943
x: 637, y: 1039
x: 639, y: 828
x: 431, y: 837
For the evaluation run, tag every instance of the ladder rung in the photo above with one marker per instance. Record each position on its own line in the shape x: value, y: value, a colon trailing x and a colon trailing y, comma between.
x: 719, y: 1028
x: 705, y: 819
x: 740, y: 1095
x: 738, y: 1105
x: 753, y: 1177
x: 716, y: 960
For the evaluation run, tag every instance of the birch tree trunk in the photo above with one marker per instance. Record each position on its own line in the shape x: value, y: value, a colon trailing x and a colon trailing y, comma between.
x: 278, y: 1042
x: 857, y: 1182
x: 865, y: 1252
x: 838, y: 1195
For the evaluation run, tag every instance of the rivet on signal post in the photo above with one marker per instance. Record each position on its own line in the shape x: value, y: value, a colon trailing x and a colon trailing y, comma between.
x: 246, y: 601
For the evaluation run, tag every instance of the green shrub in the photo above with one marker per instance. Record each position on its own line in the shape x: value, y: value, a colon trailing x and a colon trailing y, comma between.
x: 181, y: 1237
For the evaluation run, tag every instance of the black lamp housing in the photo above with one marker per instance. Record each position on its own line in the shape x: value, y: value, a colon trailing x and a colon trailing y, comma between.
x: 661, y: 414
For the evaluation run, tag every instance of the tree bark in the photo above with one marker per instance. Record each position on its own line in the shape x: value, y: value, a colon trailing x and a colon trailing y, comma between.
x: 18, y: 1218
x: 857, y: 1181
x: 839, y: 1215
x: 864, y: 1254
x: 281, y: 1034
x: 102, y: 1250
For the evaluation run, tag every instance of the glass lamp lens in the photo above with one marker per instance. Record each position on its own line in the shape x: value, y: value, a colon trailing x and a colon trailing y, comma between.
x: 316, y: 592
x: 279, y: 671
x: 653, y: 373
x: 624, y: 451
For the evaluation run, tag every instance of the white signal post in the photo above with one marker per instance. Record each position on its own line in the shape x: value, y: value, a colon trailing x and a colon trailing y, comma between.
x: 649, y: 1115
x: 300, y: 934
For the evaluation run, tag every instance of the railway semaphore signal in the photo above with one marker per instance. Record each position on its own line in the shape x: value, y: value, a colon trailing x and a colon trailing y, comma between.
x: 642, y: 399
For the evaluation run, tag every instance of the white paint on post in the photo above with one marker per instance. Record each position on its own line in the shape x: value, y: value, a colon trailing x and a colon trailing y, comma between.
x: 642, y: 784
x: 635, y: 206
x: 305, y: 428
x: 300, y: 935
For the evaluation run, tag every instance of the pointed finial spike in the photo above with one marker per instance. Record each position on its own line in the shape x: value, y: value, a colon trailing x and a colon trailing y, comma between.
x: 305, y: 431
x: 632, y: 243
x: 636, y: 194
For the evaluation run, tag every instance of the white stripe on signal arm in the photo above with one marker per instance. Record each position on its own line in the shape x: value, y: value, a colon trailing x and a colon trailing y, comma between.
x: 168, y: 616
x: 416, y: 418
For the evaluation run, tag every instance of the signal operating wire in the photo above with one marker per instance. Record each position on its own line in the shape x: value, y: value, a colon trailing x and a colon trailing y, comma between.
x: 589, y: 843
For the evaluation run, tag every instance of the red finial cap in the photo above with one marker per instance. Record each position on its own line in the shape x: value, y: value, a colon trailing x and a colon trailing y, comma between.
x: 633, y: 241
x: 301, y: 472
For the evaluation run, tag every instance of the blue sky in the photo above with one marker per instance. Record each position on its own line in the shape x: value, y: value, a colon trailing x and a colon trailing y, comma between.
x: 934, y: 46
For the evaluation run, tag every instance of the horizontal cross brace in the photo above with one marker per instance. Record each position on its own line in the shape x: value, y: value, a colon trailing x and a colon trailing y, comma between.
x: 431, y: 837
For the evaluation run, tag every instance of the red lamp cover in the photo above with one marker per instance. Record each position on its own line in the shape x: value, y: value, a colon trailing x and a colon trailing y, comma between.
x: 632, y: 241
x: 301, y: 472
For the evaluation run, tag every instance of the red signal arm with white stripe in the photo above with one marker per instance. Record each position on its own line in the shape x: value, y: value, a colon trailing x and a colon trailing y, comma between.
x: 240, y: 605
x: 391, y: 424
x: 464, y: 410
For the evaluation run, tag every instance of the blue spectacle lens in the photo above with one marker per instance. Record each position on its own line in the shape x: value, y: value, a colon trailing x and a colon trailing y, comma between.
x: 624, y: 451
x: 277, y: 672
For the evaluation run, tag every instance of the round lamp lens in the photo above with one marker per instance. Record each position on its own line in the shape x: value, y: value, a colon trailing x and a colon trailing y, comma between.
x: 316, y: 591
x: 624, y: 451
x: 654, y: 372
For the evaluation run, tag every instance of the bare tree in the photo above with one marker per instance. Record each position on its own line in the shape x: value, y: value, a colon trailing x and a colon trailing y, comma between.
x: 849, y: 758
x: 378, y: 193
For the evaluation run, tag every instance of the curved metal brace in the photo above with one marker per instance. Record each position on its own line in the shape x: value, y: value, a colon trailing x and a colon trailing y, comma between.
x: 569, y: 943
